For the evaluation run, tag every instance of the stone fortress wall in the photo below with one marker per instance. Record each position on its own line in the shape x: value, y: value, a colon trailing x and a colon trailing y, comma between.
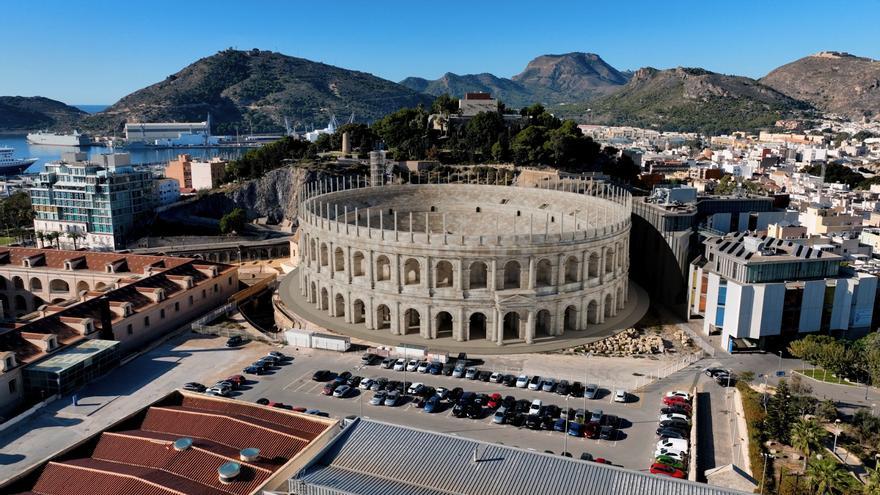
x: 466, y: 261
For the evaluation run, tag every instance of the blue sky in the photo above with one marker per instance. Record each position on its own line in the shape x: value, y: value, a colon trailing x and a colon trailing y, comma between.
x: 93, y: 52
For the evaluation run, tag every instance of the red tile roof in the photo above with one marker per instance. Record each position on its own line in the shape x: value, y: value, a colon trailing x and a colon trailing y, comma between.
x: 94, y: 261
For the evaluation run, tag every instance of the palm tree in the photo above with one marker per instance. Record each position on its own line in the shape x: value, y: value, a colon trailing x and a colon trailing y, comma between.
x: 74, y: 236
x: 827, y: 477
x: 807, y: 436
x: 41, y: 238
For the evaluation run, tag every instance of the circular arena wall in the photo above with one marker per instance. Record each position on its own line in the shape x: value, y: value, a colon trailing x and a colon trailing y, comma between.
x: 465, y: 261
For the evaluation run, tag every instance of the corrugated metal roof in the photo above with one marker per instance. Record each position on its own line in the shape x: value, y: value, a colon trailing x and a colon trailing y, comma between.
x: 373, y: 458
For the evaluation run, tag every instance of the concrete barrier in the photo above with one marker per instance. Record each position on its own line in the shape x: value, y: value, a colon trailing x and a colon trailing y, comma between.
x: 695, y: 414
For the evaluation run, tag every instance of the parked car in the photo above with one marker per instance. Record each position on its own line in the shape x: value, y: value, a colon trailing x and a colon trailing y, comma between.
x: 262, y: 401
x: 435, y: 368
x: 675, y: 454
x: 553, y: 411
x: 535, y: 408
x: 474, y: 410
x: 280, y: 356
x: 580, y: 416
x: 591, y: 391
x: 221, y: 389
x: 672, y: 401
x: 576, y: 429
x: 621, y: 395
x: 679, y: 444
x: 270, y: 360
x: 423, y: 367
x: 679, y: 409
x: 596, y: 417
x: 725, y: 380
x: 415, y: 388
x: 586, y: 456
x: 400, y: 364
x: 669, y: 461
x: 496, y: 377
x: 455, y: 394
x: 535, y: 383
x: 366, y: 383
x: 671, y: 433
x: 509, y: 380
x: 194, y: 387
x: 441, y: 392
x: 342, y: 391
x: 608, y: 433
x: 378, y: 399
x: 254, y: 370
x: 458, y: 371
x: 500, y: 416
x: 548, y: 385
x: 562, y: 387
x: 354, y: 381
x: 711, y: 372
x: 611, y: 420
x: 681, y: 417
x: 522, y: 381
x: 576, y: 390
x: 494, y: 401
x: 370, y: 358
x: 560, y: 424
x: 665, y: 470
x: 678, y: 393
x: 471, y: 373
x: 484, y: 376
x: 392, y: 398
x: 448, y: 368
x: 234, y: 341
x: 388, y: 363
x: 379, y: 384
x: 534, y: 422
x: 675, y: 423
x: 322, y: 375
x: 591, y: 430
x: 412, y: 365
x: 329, y: 388
x: 432, y: 404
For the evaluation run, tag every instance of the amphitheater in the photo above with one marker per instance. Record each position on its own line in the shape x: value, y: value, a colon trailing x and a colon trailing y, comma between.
x: 470, y: 263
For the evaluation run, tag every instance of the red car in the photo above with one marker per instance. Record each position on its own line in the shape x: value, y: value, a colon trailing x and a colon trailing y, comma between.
x: 237, y: 380
x: 665, y: 470
x: 591, y: 430
x: 299, y: 409
x: 602, y: 460
x: 329, y: 388
x: 494, y: 401
x: 675, y: 401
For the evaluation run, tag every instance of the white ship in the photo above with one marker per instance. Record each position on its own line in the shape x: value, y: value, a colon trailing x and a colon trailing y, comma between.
x: 52, y: 139
x: 9, y: 165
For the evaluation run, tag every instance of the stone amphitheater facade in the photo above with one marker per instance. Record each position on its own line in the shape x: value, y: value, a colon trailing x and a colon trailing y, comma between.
x: 465, y: 261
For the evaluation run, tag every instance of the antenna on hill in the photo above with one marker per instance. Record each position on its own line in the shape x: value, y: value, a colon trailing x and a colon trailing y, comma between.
x: 351, y: 119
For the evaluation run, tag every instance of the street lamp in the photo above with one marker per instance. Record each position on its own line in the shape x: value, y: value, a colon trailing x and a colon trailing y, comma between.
x: 836, y: 434
x: 565, y: 433
x: 780, y: 360
x: 764, y: 473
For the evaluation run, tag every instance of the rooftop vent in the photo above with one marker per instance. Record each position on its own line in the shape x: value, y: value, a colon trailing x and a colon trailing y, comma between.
x: 753, y: 244
x: 249, y: 454
x: 182, y: 444
x: 229, y: 471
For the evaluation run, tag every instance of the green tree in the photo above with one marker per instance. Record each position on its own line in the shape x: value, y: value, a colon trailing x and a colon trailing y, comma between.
x: 406, y: 132
x: 827, y: 410
x: 527, y: 146
x: 481, y: 132
x: 807, y: 437
x: 233, y: 221
x: 40, y: 238
x: 747, y: 376
x: 872, y: 484
x: 75, y: 236
x: 826, y: 477
x: 780, y: 414
x: 445, y: 104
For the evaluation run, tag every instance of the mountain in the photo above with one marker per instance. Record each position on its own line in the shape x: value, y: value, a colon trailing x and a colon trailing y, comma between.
x: 687, y: 99
x: 548, y: 79
x: 833, y: 82
x: 29, y: 113
x: 255, y: 90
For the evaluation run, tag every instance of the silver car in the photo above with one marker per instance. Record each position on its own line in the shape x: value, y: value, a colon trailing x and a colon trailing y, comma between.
x: 378, y: 399
x: 458, y: 371
x: 591, y: 391
x: 548, y: 385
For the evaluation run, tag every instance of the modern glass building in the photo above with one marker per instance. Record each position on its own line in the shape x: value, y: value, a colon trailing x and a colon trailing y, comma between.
x: 98, y: 201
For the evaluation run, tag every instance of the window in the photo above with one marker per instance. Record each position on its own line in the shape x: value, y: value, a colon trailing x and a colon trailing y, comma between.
x: 13, y: 387
x: 162, y: 313
x: 146, y: 321
x: 230, y: 280
x: 129, y: 329
x: 176, y: 306
x: 216, y: 288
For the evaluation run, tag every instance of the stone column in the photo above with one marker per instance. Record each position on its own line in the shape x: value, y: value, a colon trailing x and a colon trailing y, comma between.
x: 532, y: 274
x: 458, y: 326
x: 560, y: 270
x: 347, y: 265
x: 530, y: 328
x: 427, y: 324
x: 395, y: 273
x: 458, y: 283
x: 371, y: 268
x: 499, y: 327
x: 492, y: 276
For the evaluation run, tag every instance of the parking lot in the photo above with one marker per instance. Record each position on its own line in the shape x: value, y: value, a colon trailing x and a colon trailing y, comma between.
x: 291, y: 383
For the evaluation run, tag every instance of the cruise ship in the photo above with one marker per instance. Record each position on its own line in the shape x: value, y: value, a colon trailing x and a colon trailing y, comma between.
x: 9, y: 165
x: 52, y: 139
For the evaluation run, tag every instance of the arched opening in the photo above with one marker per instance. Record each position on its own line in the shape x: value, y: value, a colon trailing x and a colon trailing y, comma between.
x: 313, y: 250
x: 383, y: 317
x: 412, y: 273
x: 358, y: 264
x: 543, y: 324
x: 324, y: 255
x: 609, y: 306
x: 593, y: 266
x: 571, y: 270
x: 478, y: 275
x: 412, y: 322
x: 340, y: 305
x: 2, y: 283
x: 593, y: 312
x: 17, y: 282
x: 383, y: 268
x: 443, y: 324
x: 512, y: 275
x: 444, y: 276
x: 37, y: 302
x: 609, y: 261
x: 36, y: 285
x: 313, y: 293
x: 58, y: 300
x: 620, y: 301
x: 620, y: 256
x: 338, y: 259
x: 82, y: 285
x: 4, y: 303
x: 20, y: 304
x: 570, y: 320
x: 325, y: 299
x: 58, y: 285
x: 100, y: 286
x: 511, y: 326
x: 477, y: 326
x: 544, y: 275
x: 358, y: 314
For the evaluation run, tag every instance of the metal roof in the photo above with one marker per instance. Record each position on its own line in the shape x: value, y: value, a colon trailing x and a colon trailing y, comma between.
x: 374, y: 458
x: 67, y: 358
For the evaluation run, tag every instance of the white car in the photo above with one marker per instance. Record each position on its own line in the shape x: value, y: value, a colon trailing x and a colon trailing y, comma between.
x: 366, y: 383
x: 423, y: 367
x: 672, y: 416
x: 535, y: 383
x: 679, y: 444
x: 458, y: 371
x: 496, y: 377
x: 414, y: 387
x: 442, y: 392
x: 536, y: 406
x: 620, y: 395
x: 412, y: 365
x: 522, y: 381
x: 400, y: 365
x: 221, y: 389
x: 678, y: 393
x: 675, y: 454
